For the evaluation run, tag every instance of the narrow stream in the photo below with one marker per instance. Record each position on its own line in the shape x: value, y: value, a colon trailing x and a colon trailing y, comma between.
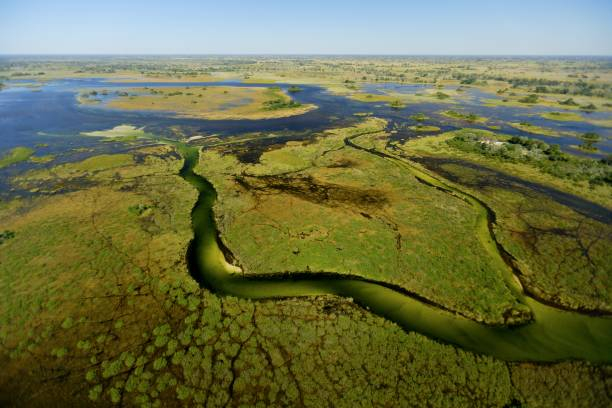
x: 554, y: 335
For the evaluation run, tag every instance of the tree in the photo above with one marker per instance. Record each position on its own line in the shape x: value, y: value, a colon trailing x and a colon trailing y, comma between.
x: 591, y: 136
x: 568, y: 102
x: 532, y: 98
x: 588, y: 145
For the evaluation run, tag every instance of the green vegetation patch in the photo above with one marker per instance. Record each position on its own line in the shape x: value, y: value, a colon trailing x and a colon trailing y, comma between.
x: 530, y: 99
x: 547, y: 157
x: 82, y: 313
x: 16, y: 155
x: 77, y: 245
x: 212, y: 102
x: 563, y: 116
x: 589, y: 140
x: 437, y: 146
x: 42, y: 159
x: 561, y: 253
x: 96, y: 164
x: 276, y: 104
x: 326, y: 207
x: 563, y: 256
x: 397, y: 104
x: 467, y: 117
x: 424, y: 128
x: 139, y: 209
x: 93, y: 170
x: 531, y: 128
x: 369, y: 97
x: 419, y: 117
x: 568, y: 102
x: 6, y: 235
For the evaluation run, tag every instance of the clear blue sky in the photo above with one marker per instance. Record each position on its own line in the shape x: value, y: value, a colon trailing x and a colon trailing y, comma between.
x: 306, y: 27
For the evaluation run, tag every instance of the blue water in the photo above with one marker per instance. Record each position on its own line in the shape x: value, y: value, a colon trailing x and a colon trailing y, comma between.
x: 49, y: 113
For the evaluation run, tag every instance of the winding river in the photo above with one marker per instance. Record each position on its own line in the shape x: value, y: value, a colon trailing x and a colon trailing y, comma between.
x: 553, y: 335
x: 34, y: 118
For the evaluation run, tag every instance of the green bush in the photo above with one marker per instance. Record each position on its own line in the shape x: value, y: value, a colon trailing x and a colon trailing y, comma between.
x: 279, y: 103
x: 6, y: 235
x: 532, y: 98
x: 568, y: 102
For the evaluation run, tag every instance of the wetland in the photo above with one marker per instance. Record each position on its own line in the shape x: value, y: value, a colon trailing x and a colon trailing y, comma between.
x: 276, y: 235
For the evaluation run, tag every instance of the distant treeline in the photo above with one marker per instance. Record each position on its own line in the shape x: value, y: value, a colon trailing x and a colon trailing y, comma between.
x: 541, y: 85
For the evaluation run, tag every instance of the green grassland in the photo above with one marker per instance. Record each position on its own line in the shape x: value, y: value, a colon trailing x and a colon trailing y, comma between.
x: 325, y: 207
x: 395, y: 99
x: 368, y: 97
x: 562, y: 255
x: 563, y: 116
x: 73, y: 331
x: 466, y: 117
x: 213, y: 102
x: 531, y: 128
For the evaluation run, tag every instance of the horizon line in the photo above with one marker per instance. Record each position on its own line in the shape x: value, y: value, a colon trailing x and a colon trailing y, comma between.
x: 27, y: 54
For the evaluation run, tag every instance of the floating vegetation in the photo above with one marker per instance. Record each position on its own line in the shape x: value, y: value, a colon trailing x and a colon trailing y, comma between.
x: 16, y: 155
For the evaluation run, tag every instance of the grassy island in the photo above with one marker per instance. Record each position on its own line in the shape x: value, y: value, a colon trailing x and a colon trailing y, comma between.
x: 213, y: 102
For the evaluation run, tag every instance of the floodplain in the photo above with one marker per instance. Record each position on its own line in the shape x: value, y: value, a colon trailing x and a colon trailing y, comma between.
x: 354, y: 231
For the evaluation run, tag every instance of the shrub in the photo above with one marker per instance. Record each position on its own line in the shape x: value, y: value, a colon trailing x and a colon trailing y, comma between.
x: 95, y: 392
x: 6, y: 235
x: 532, y: 98
x: 568, y: 102
x: 279, y: 103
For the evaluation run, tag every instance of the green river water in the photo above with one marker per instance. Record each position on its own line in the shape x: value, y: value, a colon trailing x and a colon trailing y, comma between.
x: 553, y: 335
